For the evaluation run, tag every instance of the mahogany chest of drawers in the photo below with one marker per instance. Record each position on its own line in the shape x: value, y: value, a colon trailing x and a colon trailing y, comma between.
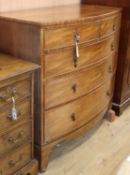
x: 77, y: 48
x: 121, y: 97
x: 16, y: 117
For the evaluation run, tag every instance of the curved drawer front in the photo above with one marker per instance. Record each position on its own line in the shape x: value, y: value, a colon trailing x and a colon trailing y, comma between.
x: 16, y: 159
x: 109, y: 25
x: 62, y: 120
x: 62, y: 89
x: 18, y: 90
x: 14, y: 137
x: 23, y: 111
x: 63, y: 61
x: 64, y: 37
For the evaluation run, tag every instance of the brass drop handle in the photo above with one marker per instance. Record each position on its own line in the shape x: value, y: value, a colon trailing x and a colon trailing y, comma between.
x: 110, y: 69
x: 19, y: 114
x: 112, y: 47
x: 13, y: 163
x: 114, y: 27
x: 13, y: 140
x: 109, y: 94
x: 73, y: 116
x: 14, y: 114
x: 74, y: 88
x: 76, y: 49
x: 11, y: 91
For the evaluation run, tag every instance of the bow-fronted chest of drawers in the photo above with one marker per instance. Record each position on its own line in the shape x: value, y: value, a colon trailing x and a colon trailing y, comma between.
x: 16, y: 116
x: 77, y: 48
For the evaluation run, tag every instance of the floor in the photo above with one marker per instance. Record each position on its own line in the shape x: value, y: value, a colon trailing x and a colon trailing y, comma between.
x: 103, y: 151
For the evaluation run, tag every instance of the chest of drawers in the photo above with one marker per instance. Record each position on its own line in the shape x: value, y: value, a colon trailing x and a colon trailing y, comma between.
x: 77, y: 47
x: 16, y: 115
x: 121, y: 97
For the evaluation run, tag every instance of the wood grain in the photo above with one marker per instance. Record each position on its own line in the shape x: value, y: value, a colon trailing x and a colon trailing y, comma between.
x: 71, y: 86
x: 60, y: 121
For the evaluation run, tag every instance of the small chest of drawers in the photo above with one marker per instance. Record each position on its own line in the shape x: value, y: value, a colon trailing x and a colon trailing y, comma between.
x: 77, y: 49
x: 16, y: 115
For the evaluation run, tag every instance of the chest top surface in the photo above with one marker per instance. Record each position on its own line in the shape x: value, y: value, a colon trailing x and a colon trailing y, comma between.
x: 11, y: 66
x: 61, y: 15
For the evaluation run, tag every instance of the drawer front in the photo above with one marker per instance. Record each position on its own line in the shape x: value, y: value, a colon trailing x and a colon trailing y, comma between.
x: 62, y: 89
x: 64, y: 37
x: 16, y: 159
x: 19, y: 90
x: 30, y: 169
x: 23, y: 110
x: 14, y: 137
x: 63, y: 61
x: 109, y: 26
x: 62, y: 120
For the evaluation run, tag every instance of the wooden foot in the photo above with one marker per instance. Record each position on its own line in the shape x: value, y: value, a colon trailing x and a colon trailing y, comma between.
x: 42, y: 154
x: 110, y: 116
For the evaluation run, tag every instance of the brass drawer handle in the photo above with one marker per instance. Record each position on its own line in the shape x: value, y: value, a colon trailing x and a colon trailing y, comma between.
x: 13, y: 140
x: 112, y: 47
x: 76, y: 57
x: 11, y: 91
x: 19, y: 114
x: 74, y: 88
x: 114, y: 27
x: 13, y: 163
x: 73, y: 117
x: 110, y: 70
x: 109, y: 94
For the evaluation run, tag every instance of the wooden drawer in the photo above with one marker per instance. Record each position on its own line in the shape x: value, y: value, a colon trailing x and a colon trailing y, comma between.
x: 16, y: 136
x: 15, y: 160
x: 62, y: 61
x: 109, y: 26
x: 18, y: 89
x: 62, y: 120
x: 30, y: 169
x: 62, y: 89
x: 64, y: 37
x: 24, y: 113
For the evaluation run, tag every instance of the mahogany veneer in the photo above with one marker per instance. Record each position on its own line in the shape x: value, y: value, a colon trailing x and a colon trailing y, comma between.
x: 16, y: 131
x: 121, y: 97
x: 77, y: 48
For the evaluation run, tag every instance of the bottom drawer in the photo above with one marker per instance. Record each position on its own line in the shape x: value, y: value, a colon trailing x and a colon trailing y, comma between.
x: 13, y: 161
x: 30, y: 169
x: 64, y: 119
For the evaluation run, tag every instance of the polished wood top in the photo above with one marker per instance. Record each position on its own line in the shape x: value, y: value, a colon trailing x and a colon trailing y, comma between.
x: 11, y: 66
x: 61, y: 15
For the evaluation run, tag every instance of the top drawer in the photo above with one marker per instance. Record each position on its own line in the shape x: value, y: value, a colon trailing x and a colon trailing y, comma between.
x: 65, y: 36
x: 18, y: 89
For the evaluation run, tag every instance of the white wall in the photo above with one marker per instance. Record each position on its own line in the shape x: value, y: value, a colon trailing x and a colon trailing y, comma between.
x: 10, y: 5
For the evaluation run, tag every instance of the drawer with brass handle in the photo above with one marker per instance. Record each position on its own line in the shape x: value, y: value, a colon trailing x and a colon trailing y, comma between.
x: 12, y: 162
x: 73, y: 85
x: 109, y: 26
x: 18, y: 90
x: 73, y: 115
x: 14, y: 137
x: 71, y: 59
x: 64, y: 37
x: 23, y: 113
